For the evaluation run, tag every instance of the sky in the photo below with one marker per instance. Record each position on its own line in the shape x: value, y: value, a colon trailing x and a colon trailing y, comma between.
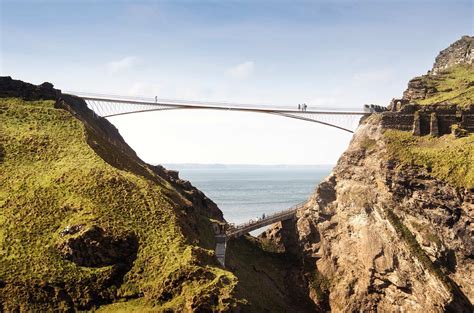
x: 323, y: 53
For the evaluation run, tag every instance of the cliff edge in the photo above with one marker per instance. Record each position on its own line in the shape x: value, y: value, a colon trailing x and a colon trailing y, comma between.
x: 391, y: 229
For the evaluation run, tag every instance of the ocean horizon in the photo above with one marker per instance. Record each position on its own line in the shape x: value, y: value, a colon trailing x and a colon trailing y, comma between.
x: 247, y: 191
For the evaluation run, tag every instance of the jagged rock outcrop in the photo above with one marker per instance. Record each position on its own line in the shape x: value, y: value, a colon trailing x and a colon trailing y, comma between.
x: 94, y: 247
x: 461, y: 51
x: 418, y: 89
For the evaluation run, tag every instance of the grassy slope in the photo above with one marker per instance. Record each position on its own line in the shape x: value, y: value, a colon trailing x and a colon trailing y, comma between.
x: 455, y: 86
x: 51, y: 178
x: 446, y: 158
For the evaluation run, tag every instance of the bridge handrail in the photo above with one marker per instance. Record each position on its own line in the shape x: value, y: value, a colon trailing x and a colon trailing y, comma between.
x: 151, y: 101
x: 271, y: 216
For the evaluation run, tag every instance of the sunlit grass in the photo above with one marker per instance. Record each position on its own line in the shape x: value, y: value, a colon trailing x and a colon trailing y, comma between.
x: 446, y: 158
x: 50, y: 178
x: 454, y: 85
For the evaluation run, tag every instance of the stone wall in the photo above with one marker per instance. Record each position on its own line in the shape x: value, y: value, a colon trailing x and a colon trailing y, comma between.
x: 436, y: 120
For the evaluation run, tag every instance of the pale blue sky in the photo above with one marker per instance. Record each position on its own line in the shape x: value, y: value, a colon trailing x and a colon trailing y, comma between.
x: 330, y: 53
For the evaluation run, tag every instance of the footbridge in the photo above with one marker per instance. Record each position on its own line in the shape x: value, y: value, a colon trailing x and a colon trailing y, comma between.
x: 345, y: 119
x: 234, y: 231
x: 242, y: 229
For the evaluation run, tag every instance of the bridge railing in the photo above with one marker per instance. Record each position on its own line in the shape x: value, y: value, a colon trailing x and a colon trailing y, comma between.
x: 152, y: 101
x: 276, y: 215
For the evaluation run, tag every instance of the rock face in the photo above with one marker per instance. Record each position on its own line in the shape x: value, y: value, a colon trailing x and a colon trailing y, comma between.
x: 378, y: 237
x: 381, y: 234
x: 94, y: 247
x: 461, y: 51
x: 418, y: 89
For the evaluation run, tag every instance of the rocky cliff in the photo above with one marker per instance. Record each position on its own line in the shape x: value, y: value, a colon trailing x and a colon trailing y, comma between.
x: 460, y: 52
x: 391, y: 229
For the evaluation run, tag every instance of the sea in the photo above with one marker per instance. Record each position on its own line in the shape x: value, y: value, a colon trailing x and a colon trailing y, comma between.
x: 245, y: 192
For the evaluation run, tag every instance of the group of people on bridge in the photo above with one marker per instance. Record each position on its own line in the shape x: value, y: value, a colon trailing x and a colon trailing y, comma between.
x: 302, y: 107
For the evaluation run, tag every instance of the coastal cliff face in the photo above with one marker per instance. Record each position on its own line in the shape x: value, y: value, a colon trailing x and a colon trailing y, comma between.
x: 391, y: 229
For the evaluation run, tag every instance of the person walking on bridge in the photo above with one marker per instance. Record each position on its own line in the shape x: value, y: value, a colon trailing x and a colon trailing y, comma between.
x: 299, y: 107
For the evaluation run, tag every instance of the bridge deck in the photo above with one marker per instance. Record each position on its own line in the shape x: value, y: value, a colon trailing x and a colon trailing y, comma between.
x: 245, y: 228
x: 113, y: 105
x: 213, y: 105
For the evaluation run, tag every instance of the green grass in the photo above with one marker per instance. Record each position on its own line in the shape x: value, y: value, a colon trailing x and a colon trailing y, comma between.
x: 368, y: 144
x: 51, y: 178
x: 447, y: 158
x: 454, y: 86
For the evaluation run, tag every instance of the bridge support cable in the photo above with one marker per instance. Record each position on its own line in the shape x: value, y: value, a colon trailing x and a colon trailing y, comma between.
x: 111, y: 106
x: 315, y: 118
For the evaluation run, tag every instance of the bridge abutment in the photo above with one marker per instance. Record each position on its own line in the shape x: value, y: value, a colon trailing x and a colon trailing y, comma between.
x: 221, y: 243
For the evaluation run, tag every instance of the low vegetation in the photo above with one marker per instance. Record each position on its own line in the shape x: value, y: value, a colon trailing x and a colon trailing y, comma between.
x: 368, y: 144
x: 51, y: 179
x: 320, y: 285
x: 415, y: 248
x: 454, y: 85
x: 447, y: 158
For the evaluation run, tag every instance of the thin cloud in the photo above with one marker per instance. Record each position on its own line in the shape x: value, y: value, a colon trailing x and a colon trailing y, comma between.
x: 144, y: 89
x: 373, y: 76
x: 241, y: 71
x: 122, y: 64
